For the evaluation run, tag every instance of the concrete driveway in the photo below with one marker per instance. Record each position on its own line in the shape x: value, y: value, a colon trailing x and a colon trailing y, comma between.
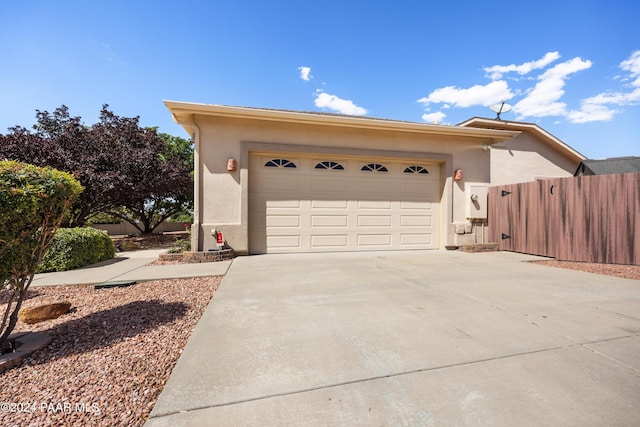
x: 410, y: 338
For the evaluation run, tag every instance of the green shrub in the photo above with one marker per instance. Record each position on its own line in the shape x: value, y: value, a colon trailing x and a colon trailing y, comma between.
x: 77, y: 247
x: 33, y: 203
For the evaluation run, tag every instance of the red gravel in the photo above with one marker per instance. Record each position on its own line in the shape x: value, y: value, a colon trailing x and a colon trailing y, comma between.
x: 110, y: 357
x: 618, y: 270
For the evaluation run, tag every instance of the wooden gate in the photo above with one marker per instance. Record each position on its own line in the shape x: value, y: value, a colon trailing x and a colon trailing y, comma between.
x: 585, y: 218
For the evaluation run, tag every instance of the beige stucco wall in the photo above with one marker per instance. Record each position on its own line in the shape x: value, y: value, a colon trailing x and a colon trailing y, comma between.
x: 224, y: 195
x: 526, y: 158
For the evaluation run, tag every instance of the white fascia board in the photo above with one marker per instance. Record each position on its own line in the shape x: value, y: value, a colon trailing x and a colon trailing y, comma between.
x: 181, y: 110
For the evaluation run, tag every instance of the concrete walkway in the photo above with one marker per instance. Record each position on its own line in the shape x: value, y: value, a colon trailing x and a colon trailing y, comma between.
x: 424, y: 338
x: 130, y: 266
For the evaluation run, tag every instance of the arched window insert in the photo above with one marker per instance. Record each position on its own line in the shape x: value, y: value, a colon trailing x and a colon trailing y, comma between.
x: 416, y: 169
x: 280, y: 163
x: 330, y: 165
x: 374, y: 167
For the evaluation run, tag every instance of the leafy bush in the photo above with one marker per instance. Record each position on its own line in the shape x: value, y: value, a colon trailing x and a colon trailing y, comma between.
x: 77, y: 247
x: 33, y: 203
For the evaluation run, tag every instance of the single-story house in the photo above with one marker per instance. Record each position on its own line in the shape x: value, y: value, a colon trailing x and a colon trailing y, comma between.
x: 613, y: 165
x: 533, y: 155
x: 275, y: 181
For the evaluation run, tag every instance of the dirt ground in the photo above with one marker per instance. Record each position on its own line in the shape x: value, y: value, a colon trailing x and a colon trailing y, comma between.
x: 149, y: 241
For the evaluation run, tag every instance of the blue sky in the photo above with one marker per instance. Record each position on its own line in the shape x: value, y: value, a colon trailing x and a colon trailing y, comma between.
x: 571, y: 67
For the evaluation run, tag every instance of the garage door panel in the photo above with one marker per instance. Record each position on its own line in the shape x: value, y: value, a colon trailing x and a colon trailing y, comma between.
x: 413, y: 205
x: 329, y: 204
x: 374, y: 221
x: 307, y: 210
x: 281, y: 183
x: 329, y: 220
x: 377, y: 240
x: 415, y: 220
x: 415, y: 239
x: 283, y: 221
x: 329, y: 240
x: 282, y: 204
x: 373, y: 204
x: 422, y: 187
x: 332, y: 185
x: 283, y: 242
x: 373, y: 186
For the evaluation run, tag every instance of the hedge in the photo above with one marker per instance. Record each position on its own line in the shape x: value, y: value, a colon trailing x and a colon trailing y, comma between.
x: 77, y: 247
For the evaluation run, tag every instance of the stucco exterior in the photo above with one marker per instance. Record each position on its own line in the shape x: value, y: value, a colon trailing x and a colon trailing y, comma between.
x: 221, y: 133
x: 532, y: 155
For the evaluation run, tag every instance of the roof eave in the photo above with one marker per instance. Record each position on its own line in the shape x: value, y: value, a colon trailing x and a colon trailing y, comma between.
x: 185, y: 111
x: 531, y: 127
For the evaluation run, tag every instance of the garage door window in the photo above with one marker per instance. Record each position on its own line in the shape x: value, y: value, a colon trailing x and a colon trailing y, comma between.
x: 330, y: 166
x: 416, y: 169
x: 374, y: 167
x: 280, y: 163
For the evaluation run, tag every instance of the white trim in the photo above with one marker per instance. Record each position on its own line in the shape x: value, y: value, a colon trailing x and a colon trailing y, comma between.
x: 179, y: 109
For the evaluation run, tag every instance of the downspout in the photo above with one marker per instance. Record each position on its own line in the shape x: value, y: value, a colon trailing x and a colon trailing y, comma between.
x: 197, y: 183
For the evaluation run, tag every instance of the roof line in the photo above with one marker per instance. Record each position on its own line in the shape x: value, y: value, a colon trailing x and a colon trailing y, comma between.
x: 179, y: 108
x: 532, y: 127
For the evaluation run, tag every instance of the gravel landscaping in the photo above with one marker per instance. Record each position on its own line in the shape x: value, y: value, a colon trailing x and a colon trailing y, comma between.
x: 617, y: 270
x: 110, y: 356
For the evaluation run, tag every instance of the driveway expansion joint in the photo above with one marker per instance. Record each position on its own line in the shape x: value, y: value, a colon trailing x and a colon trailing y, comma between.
x: 404, y: 373
x: 358, y: 381
x: 606, y: 356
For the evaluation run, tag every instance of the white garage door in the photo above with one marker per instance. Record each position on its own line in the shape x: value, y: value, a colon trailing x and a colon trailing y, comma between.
x: 300, y: 204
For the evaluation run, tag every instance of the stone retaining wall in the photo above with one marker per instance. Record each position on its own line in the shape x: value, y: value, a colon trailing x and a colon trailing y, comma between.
x: 479, y: 247
x: 198, y: 257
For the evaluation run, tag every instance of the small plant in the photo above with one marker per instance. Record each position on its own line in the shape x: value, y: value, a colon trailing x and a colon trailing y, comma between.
x: 181, y: 245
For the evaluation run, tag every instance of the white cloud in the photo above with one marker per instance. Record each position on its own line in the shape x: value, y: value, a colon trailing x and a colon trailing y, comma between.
x: 497, y: 71
x: 342, y: 106
x: 543, y: 99
x: 632, y: 65
x: 616, y: 98
x: 434, y: 117
x: 598, y: 107
x: 590, y: 112
x: 305, y: 73
x: 476, y: 95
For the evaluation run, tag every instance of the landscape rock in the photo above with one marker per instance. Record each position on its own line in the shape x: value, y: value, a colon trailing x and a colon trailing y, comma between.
x: 40, y: 313
x: 128, y: 245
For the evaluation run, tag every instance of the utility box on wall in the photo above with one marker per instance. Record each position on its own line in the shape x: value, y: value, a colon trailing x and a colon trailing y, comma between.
x: 477, y: 200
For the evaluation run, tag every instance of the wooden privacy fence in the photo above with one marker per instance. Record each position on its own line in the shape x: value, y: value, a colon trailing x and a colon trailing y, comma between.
x: 584, y: 218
